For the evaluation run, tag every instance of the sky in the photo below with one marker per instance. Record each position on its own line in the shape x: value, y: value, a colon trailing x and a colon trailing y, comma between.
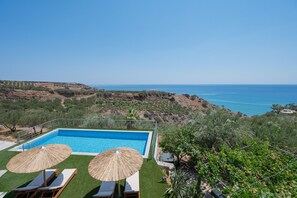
x: 99, y: 42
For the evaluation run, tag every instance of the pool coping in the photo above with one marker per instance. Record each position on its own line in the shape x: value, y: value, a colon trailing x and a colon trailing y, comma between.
x: 5, y: 144
x: 146, y: 153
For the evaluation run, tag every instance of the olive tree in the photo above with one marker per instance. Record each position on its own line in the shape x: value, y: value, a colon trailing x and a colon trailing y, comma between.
x: 180, y: 142
x: 218, y: 127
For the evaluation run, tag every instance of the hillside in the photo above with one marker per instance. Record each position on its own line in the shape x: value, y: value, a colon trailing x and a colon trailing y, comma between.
x: 35, y: 85
x: 75, y: 100
x: 212, y: 139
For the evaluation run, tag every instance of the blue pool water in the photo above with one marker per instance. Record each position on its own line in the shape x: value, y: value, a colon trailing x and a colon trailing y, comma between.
x: 248, y: 99
x: 93, y: 141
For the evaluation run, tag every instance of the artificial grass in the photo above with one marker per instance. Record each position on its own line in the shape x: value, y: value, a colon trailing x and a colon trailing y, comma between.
x: 82, y: 184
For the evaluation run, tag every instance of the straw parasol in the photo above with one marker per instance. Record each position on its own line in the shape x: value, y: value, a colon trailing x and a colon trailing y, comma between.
x: 115, y: 164
x: 39, y: 158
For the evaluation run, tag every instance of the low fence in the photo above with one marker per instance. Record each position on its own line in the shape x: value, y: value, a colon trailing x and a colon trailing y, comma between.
x: 106, y: 123
x: 154, y: 142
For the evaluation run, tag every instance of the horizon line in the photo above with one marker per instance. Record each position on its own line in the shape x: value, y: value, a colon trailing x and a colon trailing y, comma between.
x: 196, y: 84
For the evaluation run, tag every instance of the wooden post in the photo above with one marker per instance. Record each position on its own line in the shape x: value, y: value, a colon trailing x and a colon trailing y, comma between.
x: 119, y: 189
x: 44, y: 178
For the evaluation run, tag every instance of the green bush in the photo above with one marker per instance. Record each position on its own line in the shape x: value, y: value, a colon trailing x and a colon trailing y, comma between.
x: 256, y: 171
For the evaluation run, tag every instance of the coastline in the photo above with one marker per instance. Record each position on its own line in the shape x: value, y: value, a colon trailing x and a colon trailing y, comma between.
x: 250, y: 99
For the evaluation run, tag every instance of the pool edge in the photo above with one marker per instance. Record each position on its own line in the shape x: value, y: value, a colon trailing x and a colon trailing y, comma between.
x: 146, y: 153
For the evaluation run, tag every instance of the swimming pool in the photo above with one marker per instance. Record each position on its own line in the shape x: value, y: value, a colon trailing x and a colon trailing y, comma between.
x: 92, y: 142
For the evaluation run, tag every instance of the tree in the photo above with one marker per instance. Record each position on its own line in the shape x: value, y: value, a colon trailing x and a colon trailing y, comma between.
x: 276, y: 108
x: 131, y: 117
x: 217, y: 128
x: 10, y: 119
x: 180, y: 142
x: 94, y: 121
x: 281, y: 131
x: 291, y: 106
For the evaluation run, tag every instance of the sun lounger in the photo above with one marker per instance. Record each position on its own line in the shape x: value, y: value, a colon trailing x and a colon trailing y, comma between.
x: 58, y: 185
x: 2, y: 194
x: 106, y: 190
x: 31, y: 189
x: 2, y: 172
x: 132, y: 186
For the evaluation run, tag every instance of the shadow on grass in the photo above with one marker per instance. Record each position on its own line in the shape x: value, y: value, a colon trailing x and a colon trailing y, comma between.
x: 10, y: 195
x: 25, y: 184
x: 115, y: 194
x: 91, y: 193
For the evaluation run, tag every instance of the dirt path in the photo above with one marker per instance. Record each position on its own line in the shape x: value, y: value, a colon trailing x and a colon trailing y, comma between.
x: 86, y: 97
x: 78, y: 98
x: 62, y: 103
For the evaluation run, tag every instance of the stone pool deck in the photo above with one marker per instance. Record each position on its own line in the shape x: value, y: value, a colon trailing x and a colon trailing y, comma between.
x: 5, y: 145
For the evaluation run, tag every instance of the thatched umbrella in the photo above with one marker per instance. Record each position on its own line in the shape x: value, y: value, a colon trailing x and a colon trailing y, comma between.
x: 39, y: 158
x: 115, y: 164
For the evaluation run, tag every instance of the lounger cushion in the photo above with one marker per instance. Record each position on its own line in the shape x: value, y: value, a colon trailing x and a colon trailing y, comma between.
x: 50, y: 188
x: 38, y: 181
x: 61, y: 180
x: 132, y: 183
x: 2, y: 194
x: 106, y: 189
x: 2, y: 172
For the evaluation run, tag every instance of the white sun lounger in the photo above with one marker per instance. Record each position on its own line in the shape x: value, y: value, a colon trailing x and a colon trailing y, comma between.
x: 132, y: 186
x: 31, y: 188
x: 2, y: 194
x: 2, y: 172
x: 106, y: 190
x: 58, y: 185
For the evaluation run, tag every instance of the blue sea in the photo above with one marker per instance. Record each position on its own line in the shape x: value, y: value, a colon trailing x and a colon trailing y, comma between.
x: 248, y: 99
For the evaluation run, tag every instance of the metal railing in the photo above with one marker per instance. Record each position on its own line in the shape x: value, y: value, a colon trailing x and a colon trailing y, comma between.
x: 153, y: 142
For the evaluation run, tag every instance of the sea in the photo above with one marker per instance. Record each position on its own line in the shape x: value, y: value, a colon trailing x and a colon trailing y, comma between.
x: 248, y: 99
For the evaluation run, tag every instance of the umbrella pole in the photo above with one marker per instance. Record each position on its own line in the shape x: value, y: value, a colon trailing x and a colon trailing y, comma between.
x: 119, y: 189
x: 44, y: 178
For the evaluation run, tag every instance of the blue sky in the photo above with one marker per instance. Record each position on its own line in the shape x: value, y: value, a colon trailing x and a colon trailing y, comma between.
x: 149, y: 42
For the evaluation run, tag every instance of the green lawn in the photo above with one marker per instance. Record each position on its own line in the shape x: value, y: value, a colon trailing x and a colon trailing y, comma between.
x: 83, y: 185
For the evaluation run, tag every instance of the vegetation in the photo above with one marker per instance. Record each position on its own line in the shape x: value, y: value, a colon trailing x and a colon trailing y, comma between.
x: 178, y: 189
x: 37, y: 86
x: 241, y: 152
x: 24, y: 85
x: 24, y: 112
x: 209, y: 130
x: 130, y: 117
x: 281, y: 131
x: 163, y: 106
x: 216, y: 128
x: 256, y: 171
x: 181, y: 142
x: 28, y: 112
x: 33, y: 112
x: 71, y: 93
x: 277, y: 107
x: 97, y: 121
x: 236, y: 151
